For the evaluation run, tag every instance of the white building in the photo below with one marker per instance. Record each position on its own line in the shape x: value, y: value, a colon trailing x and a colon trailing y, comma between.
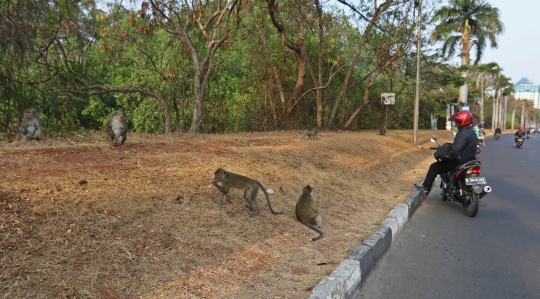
x: 525, y: 89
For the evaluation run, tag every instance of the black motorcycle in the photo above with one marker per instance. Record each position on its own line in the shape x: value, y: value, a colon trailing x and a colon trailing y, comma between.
x: 519, y: 142
x: 497, y: 135
x: 478, y: 144
x: 464, y: 185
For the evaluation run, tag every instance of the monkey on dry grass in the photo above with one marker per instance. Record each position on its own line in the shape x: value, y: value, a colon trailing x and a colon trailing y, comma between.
x: 308, y: 213
x: 30, y: 127
x: 311, y: 134
x: 251, y: 189
x: 383, y: 131
x: 117, y: 128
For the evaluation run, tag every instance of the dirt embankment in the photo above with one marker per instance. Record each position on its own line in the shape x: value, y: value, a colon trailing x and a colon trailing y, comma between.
x: 82, y: 219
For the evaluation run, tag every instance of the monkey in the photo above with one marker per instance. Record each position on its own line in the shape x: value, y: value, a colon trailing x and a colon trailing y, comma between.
x: 383, y: 131
x: 232, y: 180
x: 308, y: 213
x: 30, y: 127
x: 117, y: 128
x: 311, y: 134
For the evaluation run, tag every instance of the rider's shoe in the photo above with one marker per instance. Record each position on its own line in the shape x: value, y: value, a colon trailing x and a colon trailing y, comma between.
x: 421, y: 189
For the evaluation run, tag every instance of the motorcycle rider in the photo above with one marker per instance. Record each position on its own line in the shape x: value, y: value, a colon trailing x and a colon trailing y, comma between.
x: 519, y: 134
x: 482, y: 133
x: 462, y: 150
x: 498, y: 130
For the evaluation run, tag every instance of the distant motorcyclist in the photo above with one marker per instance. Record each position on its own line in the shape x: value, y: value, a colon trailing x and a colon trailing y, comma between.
x: 476, y: 130
x: 519, y: 134
x: 462, y: 150
x: 482, y: 133
x: 498, y: 130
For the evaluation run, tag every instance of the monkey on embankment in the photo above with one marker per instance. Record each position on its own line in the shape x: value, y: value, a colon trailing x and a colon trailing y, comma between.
x: 311, y: 134
x: 117, y: 128
x: 251, y: 187
x: 30, y: 127
x: 308, y: 213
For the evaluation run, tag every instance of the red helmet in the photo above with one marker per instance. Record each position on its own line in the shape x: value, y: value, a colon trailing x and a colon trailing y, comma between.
x: 520, y: 128
x: 462, y: 118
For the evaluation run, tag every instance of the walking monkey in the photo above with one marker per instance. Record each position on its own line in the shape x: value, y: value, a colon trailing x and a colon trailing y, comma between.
x: 251, y: 189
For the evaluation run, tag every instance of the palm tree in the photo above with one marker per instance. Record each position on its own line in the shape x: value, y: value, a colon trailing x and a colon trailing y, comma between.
x: 469, y: 23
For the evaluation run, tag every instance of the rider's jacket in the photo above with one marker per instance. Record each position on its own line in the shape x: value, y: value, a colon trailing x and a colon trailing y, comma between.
x: 464, y: 146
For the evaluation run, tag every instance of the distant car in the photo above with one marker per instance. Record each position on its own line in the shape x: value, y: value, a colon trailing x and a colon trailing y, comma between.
x: 532, y: 130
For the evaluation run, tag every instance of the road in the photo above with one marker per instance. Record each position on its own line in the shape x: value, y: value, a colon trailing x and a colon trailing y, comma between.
x: 442, y: 253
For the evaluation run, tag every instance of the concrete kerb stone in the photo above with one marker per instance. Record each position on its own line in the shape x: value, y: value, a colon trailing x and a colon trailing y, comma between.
x: 341, y: 283
x: 413, y: 200
x: 348, y: 277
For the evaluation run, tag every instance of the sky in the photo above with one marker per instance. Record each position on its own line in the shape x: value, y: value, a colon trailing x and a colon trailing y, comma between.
x: 518, y: 52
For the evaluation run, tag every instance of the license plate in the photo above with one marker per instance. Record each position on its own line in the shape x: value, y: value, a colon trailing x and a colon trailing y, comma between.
x: 476, y: 181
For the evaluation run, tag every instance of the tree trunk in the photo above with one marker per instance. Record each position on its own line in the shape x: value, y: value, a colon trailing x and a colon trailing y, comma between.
x: 364, y: 102
x: 482, y: 103
x: 494, y: 115
x: 269, y: 54
x: 318, y: 93
x: 376, y: 15
x: 505, y: 114
x: 522, y: 115
x: 177, y: 114
x: 209, y: 23
x: 298, y: 48
x: 465, y: 42
x: 198, y: 97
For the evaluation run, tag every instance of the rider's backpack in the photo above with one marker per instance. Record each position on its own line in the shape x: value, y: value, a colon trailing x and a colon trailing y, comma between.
x: 441, y: 151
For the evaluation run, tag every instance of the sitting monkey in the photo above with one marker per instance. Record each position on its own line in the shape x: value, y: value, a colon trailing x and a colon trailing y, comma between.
x: 30, y: 128
x: 308, y: 213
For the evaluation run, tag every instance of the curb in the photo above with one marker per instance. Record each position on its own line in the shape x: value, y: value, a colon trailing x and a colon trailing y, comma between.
x: 346, y: 280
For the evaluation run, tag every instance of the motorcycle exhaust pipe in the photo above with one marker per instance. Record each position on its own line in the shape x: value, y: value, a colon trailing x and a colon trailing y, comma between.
x: 487, y: 189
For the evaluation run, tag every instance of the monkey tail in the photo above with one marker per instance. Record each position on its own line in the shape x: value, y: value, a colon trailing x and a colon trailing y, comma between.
x: 267, y: 198
x: 316, y: 230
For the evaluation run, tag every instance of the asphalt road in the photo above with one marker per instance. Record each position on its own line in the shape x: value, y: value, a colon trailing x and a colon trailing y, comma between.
x: 442, y: 253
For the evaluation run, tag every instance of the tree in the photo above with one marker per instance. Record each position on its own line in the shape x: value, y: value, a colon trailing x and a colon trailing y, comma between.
x: 211, y: 23
x: 469, y: 23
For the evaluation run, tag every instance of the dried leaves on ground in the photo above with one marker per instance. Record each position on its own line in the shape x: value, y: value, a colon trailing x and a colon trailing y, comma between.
x: 82, y: 219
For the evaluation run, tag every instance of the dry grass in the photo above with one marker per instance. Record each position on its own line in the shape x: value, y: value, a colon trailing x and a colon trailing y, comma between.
x: 81, y: 219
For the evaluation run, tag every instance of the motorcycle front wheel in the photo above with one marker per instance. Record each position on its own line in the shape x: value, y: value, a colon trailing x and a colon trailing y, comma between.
x: 470, y: 208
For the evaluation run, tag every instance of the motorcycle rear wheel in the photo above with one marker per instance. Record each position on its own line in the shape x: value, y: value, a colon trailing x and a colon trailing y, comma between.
x: 470, y: 208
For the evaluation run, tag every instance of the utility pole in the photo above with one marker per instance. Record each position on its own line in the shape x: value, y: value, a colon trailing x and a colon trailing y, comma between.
x: 417, y: 93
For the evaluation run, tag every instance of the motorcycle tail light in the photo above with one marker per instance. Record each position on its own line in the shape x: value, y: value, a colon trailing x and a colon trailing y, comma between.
x: 475, y: 170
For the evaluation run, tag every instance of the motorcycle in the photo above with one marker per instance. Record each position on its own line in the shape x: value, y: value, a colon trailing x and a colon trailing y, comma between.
x: 497, y: 136
x: 519, y: 142
x: 464, y: 185
x: 478, y: 144
x: 528, y: 134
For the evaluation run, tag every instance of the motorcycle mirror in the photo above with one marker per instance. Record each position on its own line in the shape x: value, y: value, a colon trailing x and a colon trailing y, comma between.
x: 433, y: 139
